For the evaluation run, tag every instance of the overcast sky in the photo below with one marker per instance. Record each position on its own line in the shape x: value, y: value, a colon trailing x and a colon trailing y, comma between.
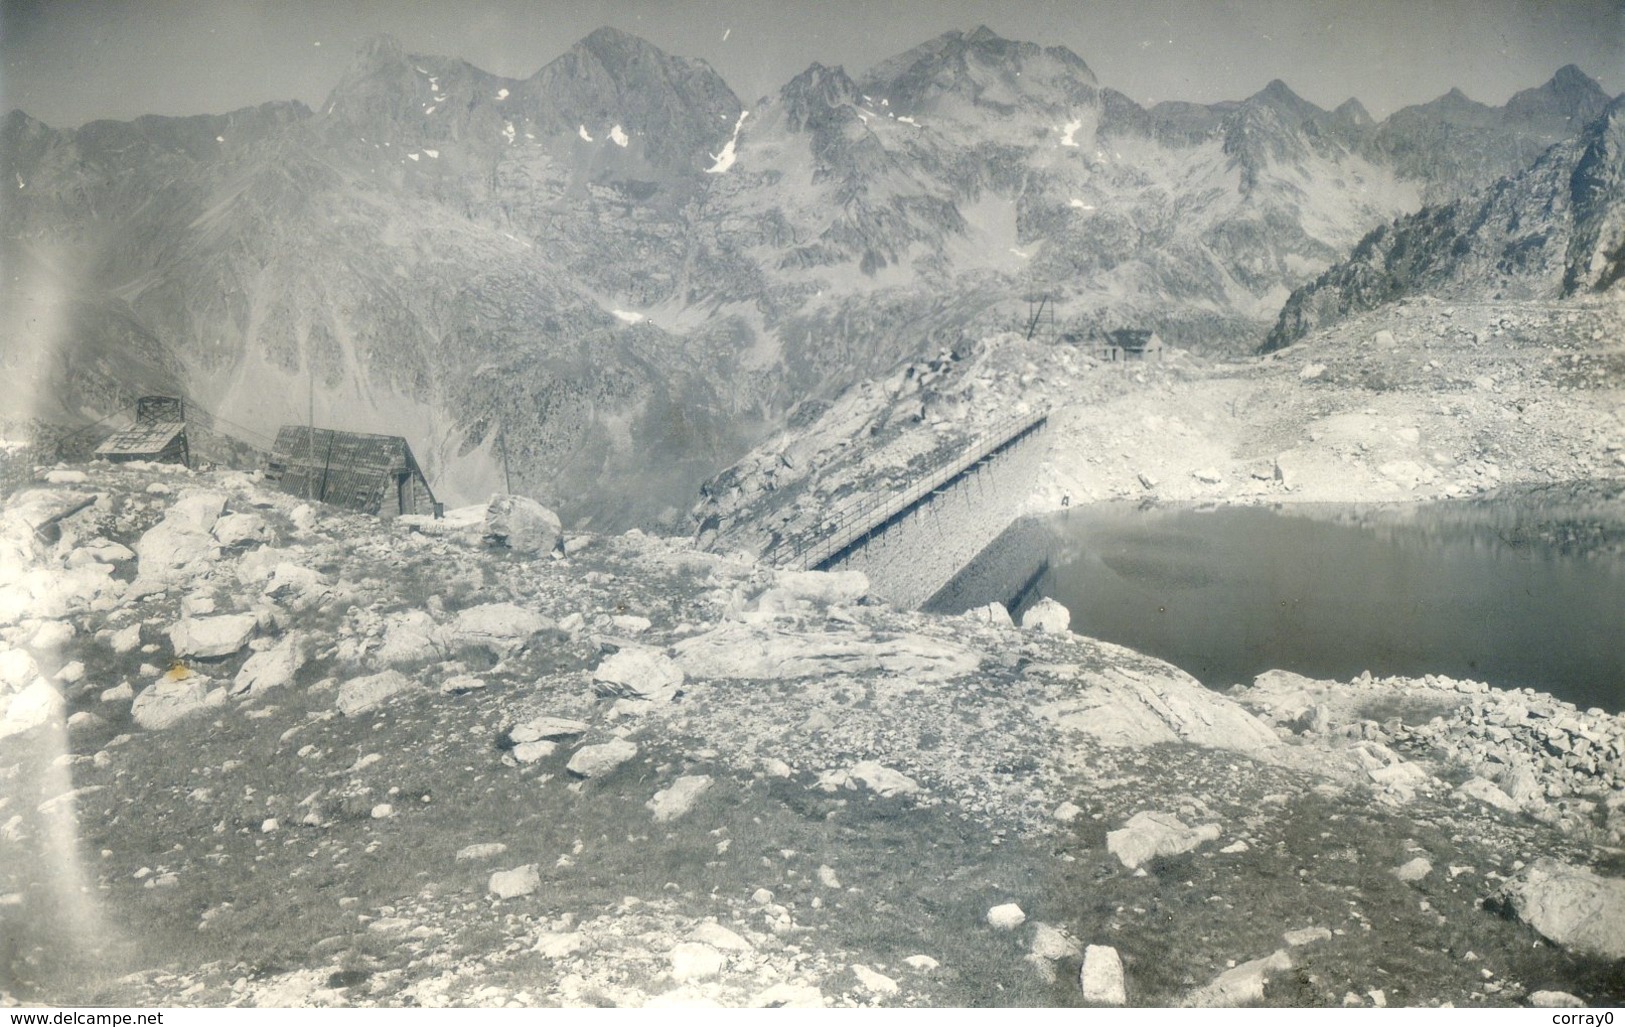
x: 71, y: 61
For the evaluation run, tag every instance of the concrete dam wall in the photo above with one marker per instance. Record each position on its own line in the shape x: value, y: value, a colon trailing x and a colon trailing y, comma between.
x: 921, y: 539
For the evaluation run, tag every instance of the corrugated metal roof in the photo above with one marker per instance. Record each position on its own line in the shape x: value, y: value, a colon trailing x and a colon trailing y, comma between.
x: 143, y: 439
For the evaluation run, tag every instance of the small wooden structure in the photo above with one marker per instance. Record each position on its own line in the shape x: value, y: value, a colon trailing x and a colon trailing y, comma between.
x: 159, y: 434
x: 1131, y: 344
x: 374, y: 474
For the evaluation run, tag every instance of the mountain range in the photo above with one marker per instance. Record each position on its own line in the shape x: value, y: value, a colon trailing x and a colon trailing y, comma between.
x: 606, y: 281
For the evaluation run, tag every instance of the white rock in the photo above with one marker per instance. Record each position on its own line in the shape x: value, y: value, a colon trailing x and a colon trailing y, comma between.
x: 71, y: 673
x: 481, y: 850
x: 1050, y: 942
x: 126, y: 639
x: 695, y: 961
x: 530, y: 752
x: 197, y: 512
x: 521, y: 524
x: 1555, y: 1000
x: 382, y: 811
x: 630, y: 623
x: 883, y: 780
x: 922, y: 962
x: 121, y: 692
x: 1148, y: 834
x: 1047, y: 616
x: 51, y: 636
x: 290, y: 583
x: 501, y: 627
x: 785, y: 995
x: 670, y: 803
x: 1134, y: 708
x: 270, y: 826
x: 547, y: 728
x: 170, y: 553
x: 169, y: 700
x: 1413, y: 870
x: 1306, y: 936
x: 268, y: 669
x: 360, y: 694
x: 994, y: 614
x: 1102, y: 976
x: 645, y: 673
x: 873, y: 981
x: 17, y: 670
x: 510, y: 884
x: 557, y: 945
x: 241, y: 529
x: 1477, y: 788
x: 209, y: 637
x: 1067, y: 812
x: 84, y: 720
x: 34, y: 706
x: 1572, y: 906
x: 598, y: 760
x: 720, y: 937
x: 1241, y: 985
x: 827, y: 877
x: 1006, y: 917
x: 410, y: 636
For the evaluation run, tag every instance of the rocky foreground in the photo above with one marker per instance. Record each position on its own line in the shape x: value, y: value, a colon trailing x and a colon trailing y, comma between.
x: 259, y: 753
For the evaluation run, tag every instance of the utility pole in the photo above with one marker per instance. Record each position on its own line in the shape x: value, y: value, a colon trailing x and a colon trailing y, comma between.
x: 310, y: 422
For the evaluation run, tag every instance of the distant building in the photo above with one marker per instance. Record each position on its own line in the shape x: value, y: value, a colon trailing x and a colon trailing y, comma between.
x: 158, y: 435
x: 374, y: 474
x: 1131, y: 344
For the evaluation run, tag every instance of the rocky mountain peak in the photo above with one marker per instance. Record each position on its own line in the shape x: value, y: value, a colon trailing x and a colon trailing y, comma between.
x: 812, y: 95
x: 1353, y: 112
x: 1570, y: 93
x: 985, y: 69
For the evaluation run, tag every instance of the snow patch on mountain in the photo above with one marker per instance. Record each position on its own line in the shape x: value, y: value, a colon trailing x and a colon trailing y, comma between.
x: 618, y: 136
x: 725, y: 159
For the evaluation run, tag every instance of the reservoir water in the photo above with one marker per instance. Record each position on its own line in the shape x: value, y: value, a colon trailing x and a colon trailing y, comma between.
x: 1526, y: 592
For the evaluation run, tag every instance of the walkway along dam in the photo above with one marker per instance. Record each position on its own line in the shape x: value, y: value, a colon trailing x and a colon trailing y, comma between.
x: 911, y: 542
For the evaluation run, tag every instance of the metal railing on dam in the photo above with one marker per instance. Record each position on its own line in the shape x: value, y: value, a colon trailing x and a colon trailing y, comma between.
x: 855, y: 524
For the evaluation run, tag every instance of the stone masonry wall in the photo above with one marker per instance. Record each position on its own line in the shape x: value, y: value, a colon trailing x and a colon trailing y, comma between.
x: 915, y: 557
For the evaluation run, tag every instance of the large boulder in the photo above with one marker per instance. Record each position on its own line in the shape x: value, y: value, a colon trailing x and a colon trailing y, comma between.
x: 1148, y: 835
x: 271, y: 668
x: 36, y: 705
x: 1102, y: 976
x: 211, y: 637
x: 1572, y: 906
x: 673, y: 802
x: 17, y: 670
x: 598, y: 760
x: 639, y: 673
x: 501, y: 627
x: 410, y: 636
x: 1131, y: 708
x: 173, y: 698
x: 1047, y: 616
x: 521, y: 524
x: 361, y: 694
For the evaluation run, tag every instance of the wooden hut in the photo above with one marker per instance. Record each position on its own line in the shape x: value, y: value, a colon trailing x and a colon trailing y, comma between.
x: 374, y: 474
x: 158, y: 435
x: 1131, y: 344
